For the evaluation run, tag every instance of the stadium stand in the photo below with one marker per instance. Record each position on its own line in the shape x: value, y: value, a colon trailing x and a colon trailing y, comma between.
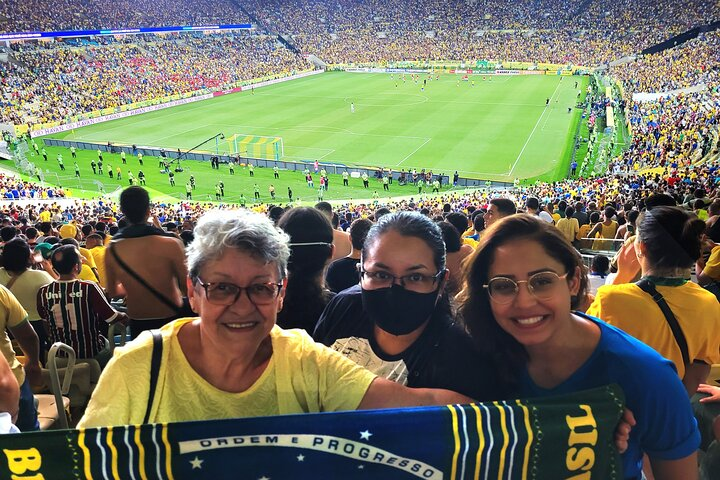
x: 21, y: 16
x: 53, y: 83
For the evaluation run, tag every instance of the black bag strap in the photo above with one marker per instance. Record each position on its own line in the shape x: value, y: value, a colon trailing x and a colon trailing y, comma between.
x: 142, y: 282
x: 13, y: 279
x: 648, y: 287
x: 154, y: 370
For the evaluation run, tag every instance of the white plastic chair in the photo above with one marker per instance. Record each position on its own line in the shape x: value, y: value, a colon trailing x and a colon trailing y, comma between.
x: 117, y: 329
x: 53, y: 407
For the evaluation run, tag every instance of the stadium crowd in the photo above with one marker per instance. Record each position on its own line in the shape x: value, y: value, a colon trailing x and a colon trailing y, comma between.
x: 547, y: 31
x: 51, y: 84
x: 32, y: 16
x: 572, y: 209
x: 52, y: 81
x: 295, y: 16
x: 691, y: 63
x: 658, y: 225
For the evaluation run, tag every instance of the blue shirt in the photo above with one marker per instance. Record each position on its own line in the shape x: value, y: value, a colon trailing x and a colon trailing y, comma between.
x: 666, y: 428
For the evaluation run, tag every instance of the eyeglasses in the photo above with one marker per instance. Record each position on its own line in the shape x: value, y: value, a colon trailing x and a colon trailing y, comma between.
x: 416, y: 282
x: 542, y: 286
x: 222, y: 293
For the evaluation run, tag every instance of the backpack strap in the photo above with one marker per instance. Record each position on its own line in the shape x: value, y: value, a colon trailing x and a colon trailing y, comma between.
x: 648, y: 287
x: 13, y: 279
x: 154, y: 370
x: 162, y: 298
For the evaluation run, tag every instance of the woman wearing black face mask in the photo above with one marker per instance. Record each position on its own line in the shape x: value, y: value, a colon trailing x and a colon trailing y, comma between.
x: 398, y: 321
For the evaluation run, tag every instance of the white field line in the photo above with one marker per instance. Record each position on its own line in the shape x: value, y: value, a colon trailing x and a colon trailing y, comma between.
x: 545, y: 110
x: 329, y: 153
x: 413, y: 152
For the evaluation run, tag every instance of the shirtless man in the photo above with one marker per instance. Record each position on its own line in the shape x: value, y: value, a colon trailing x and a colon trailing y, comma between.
x: 155, y: 256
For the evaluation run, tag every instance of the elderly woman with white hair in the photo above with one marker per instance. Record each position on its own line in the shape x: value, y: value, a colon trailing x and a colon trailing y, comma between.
x: 233, y: 361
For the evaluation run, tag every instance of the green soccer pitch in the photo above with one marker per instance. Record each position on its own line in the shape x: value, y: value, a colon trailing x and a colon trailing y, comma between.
x: 497, y: 128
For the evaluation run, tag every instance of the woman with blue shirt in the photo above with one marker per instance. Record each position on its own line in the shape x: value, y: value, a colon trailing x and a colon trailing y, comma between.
x: 520, y: 289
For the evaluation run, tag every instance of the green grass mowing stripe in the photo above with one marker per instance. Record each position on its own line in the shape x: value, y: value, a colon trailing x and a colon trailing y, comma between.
x: 467, y: 128
x: 446, y: 127
x: 206, y: 179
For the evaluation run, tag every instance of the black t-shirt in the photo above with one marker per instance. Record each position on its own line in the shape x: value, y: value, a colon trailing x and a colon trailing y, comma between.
x: 443, y: 357
x: 342, y: 274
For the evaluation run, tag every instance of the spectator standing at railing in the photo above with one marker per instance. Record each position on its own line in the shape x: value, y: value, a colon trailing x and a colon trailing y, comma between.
x: 568, y: 225
x: 605, y: 229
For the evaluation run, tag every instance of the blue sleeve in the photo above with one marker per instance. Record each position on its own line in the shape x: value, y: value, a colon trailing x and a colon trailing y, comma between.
x: 666, y: 426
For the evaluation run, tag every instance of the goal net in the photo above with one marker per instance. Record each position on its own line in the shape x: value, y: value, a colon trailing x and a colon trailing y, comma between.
x: 256, y: 146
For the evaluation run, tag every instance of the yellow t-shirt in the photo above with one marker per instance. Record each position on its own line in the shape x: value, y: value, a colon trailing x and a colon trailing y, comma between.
x: 582, y: 233
x: 606, y: 231
x: 98, y: 255
x: 470, y: 241
x: 697, y: 311
x: 44, y: 216
x: 12, y: 314
x: 26, y: 287
x: 569, y: 227
x: 302, y: 376
x: 86, y: 253
x: 712, y: 266
x: 87, y: 274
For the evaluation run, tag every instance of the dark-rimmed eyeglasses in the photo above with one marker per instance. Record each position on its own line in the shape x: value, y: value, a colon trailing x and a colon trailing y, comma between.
x: 417, y: 282
x: 222, y: 293
x: 541, y: 285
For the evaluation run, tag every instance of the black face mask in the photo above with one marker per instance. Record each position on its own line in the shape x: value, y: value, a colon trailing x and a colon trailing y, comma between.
x: 396, y: 310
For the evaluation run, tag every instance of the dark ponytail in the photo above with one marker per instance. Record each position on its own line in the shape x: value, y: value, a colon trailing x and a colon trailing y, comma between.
x: 671, y: 237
